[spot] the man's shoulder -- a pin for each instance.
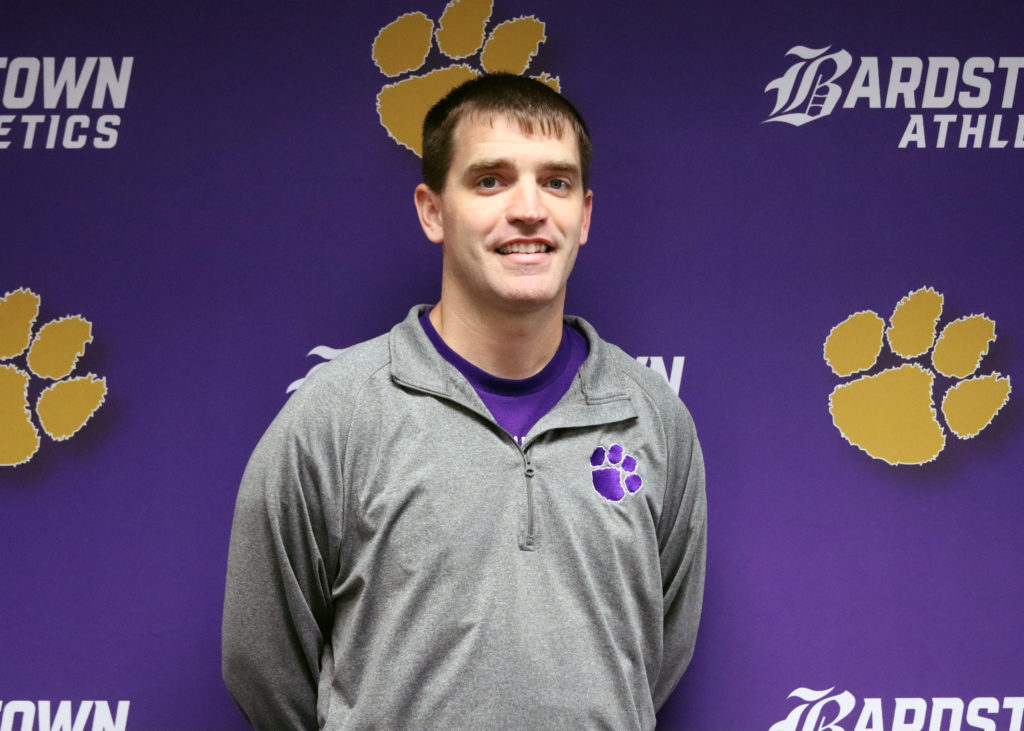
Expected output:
(347, 372)
(646, 387)
(611, 360)
(319, 413)
(656, 391)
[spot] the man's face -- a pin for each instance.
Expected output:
(511, 218)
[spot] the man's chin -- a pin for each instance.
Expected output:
(531, 301)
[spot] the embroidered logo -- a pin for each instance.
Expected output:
(614, 472)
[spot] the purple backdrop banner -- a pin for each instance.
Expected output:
(197, 195)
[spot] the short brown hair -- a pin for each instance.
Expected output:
(527, 101)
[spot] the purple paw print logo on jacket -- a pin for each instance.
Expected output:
(614, 472)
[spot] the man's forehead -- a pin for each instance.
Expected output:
(497, 130)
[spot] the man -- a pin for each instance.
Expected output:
(488, 517)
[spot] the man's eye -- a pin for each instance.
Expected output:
(559, 184)
(488, 182)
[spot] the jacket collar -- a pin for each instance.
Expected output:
(598, 394)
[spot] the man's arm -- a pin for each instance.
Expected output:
(277, 611)
(682, 538)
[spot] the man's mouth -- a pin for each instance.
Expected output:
(524, 248)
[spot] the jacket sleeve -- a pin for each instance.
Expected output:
(682, 537)
(277, 608)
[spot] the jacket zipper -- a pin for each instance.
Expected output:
(529, 542)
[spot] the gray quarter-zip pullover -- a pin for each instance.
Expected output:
(398, 561)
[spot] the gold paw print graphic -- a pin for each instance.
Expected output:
(63, 407)
(891, 414)
(404, 45)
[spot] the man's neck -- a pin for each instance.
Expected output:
(505, 344)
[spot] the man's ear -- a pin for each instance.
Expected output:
(428, 207)
(588, 207)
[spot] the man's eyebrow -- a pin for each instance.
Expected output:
(499, 163)
(564, 166)
(494, 163)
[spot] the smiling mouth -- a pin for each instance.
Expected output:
(524, 248)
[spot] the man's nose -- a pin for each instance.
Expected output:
(526, 204)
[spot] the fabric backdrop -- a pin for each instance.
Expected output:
(199, 194)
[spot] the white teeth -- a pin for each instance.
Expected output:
(523, 248)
